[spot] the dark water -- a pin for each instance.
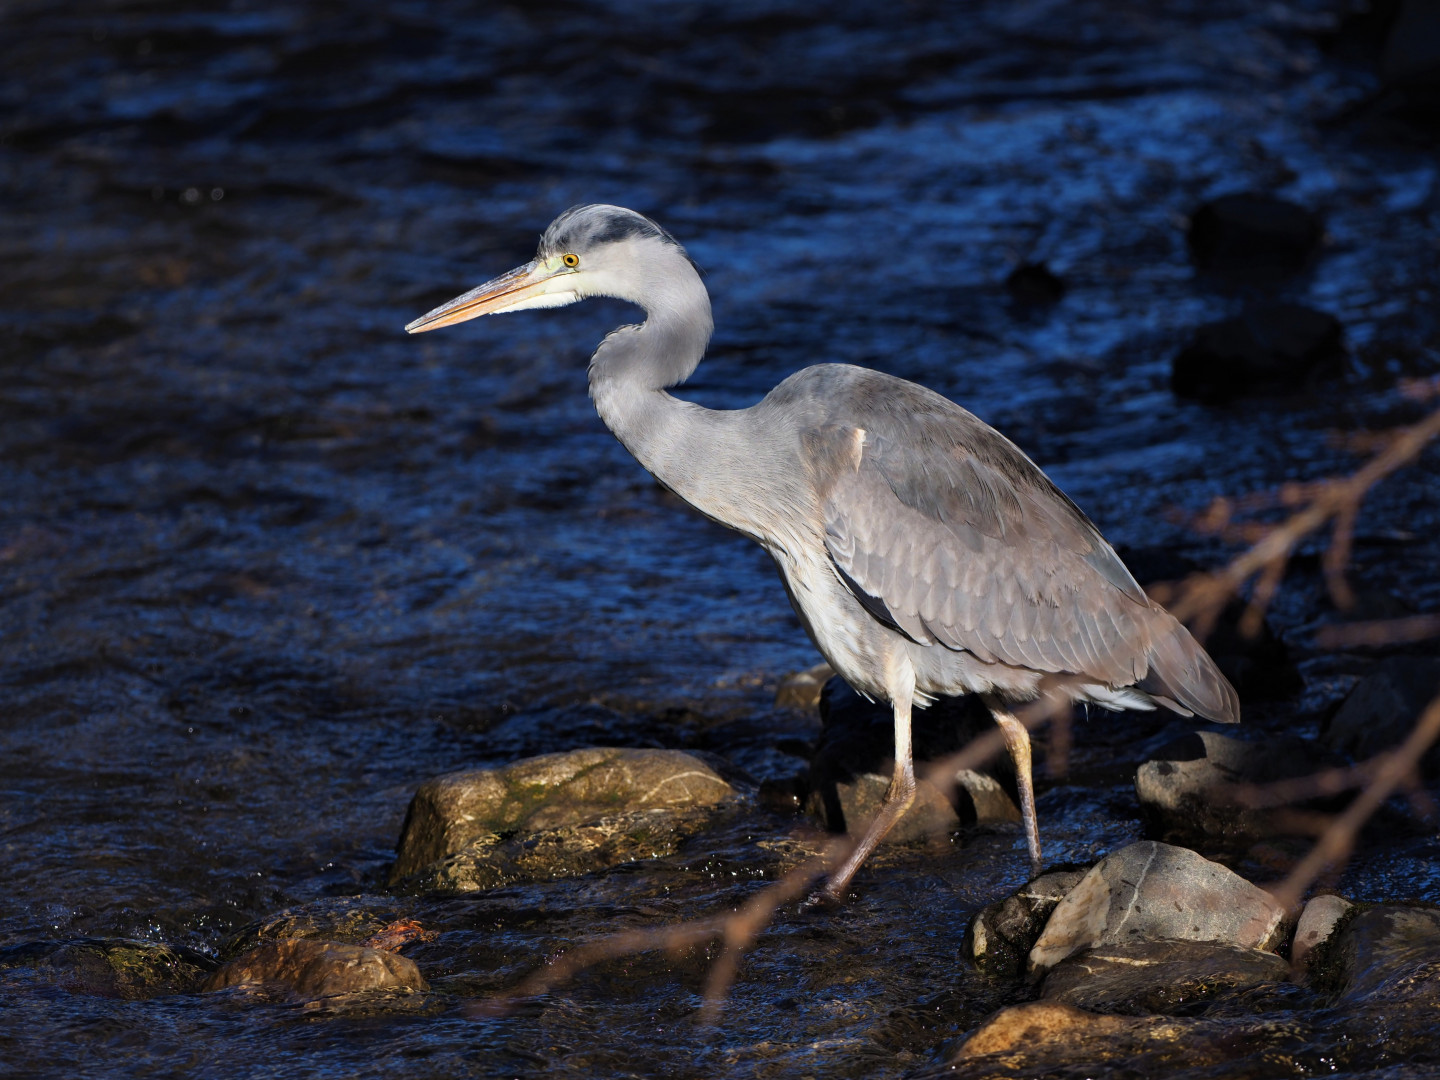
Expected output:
(267, 563)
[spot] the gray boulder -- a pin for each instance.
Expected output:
(318, 969)
(1189, 789)
(539, 795)
(1382, 709)
(1158, 976)
(1150, 891)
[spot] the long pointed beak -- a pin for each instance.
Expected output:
(526, 286)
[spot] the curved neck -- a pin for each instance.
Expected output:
(634, 365)
(706, 456)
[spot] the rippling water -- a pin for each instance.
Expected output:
(267, 563)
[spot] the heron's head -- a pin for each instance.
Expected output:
(595, 250)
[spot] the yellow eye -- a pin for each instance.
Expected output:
(571, 261)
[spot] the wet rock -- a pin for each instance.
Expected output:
(1268, 349)
(1034, 285)
(849, 805)
(567, 851)
(1191, 787)
(1382, 709)
(980, 799)
(1001, 935)
(318, 969)
(396, 935)
(850, 771)
(452, 812)
(1253, 237)
(802, 689)
(1151, 891)
(1159, 976)
(1388, 954)
(1317, 922)
(348, 919)
(111, 967)
(973, 798)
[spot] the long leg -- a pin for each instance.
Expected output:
(897, 800)
(1017, 741)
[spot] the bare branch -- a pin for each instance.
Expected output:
(1391, 771)
(1200, 599)
(1379, 632)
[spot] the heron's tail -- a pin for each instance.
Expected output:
(1182, 674)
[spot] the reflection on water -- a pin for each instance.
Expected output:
(267, 563)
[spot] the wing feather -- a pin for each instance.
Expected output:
(965, 543)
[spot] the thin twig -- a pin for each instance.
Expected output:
(1379, 632)
(1335, 845)
(1202, 597)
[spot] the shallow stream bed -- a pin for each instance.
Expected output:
(267, 563)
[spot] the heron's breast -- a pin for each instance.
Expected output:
(853, 642)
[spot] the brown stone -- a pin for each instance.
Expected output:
(317, 969)
(1023, 1027)
(849, 805)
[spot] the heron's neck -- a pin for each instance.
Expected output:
(629, 375)
(684, 445)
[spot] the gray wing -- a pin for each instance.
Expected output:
(946, 531)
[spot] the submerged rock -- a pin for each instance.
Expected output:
(1001, 935)
(1158, 976)
(1253, 237)
(542, 794)
(1151, 891)
(1191, 787)
(1381, 711)
(1388, 954)
(318, 969)
(348, 919)
(111, 967)
(1315, 925)
(1267, 349)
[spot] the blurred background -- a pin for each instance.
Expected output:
(266, 563)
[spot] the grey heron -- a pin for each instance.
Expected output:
(924, 552)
